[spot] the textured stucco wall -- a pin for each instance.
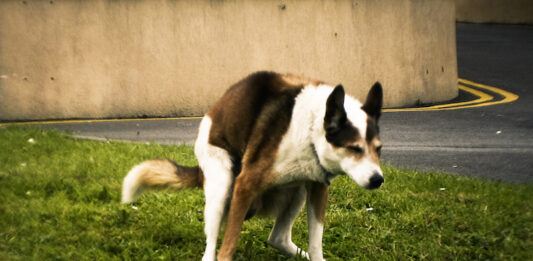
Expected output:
(122, 58)
(495, 11)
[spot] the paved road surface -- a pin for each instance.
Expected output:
(493, 142)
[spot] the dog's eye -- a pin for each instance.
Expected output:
(378, 150)
(357, 149)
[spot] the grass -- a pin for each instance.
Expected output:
(59, 200)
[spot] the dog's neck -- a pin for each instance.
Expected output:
(328, 176)
(297, 151)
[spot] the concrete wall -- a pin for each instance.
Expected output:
(125, 58)
(495, 11)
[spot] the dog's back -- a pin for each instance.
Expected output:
(253, 112)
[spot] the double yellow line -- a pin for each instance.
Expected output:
(481, 92)
(483, 98)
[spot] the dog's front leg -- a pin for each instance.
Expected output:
(244, 193)
(317, 200)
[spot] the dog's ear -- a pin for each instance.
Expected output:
(374, 101)
(335, 113)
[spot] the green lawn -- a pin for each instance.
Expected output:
(59, 200)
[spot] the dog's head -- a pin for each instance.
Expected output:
(351, 142)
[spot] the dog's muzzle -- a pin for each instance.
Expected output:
(375, 181)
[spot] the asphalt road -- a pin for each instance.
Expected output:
(494, 142)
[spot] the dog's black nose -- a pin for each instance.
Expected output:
(375, 181)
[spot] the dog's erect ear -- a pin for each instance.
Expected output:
(335, 113)
(374, 101)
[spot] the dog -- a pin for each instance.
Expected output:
(269, 144)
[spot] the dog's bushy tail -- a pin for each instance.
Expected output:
(158, 174)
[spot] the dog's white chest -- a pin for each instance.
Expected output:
(297, 164)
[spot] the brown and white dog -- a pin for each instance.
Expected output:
(269, 144)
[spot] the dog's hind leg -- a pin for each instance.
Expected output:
(248, 185)
(217, 167)
(217, 192)
(217, 189)
(280, 237)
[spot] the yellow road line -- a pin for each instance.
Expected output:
(508, 96)
(483, 99)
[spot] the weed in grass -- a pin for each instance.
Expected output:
(60, 200)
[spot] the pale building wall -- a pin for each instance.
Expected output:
(122, 58)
